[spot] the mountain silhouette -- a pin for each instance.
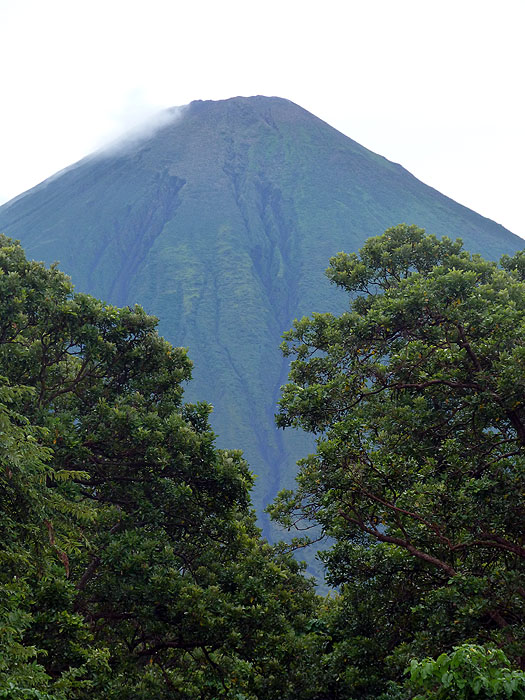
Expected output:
(221, 222)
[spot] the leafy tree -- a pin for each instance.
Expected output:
(470, 671)
(417, 396)
(28, 559)
(22, 462)
(131, 557)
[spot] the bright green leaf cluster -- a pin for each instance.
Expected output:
(469, 671)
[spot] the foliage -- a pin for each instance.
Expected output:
(469, 671)
(416, 395)
(132, 567)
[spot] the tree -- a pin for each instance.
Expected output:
(417, 396)
(128, 537)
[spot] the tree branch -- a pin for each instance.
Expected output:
(401, 543)
(93, 564)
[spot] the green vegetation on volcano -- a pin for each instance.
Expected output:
(220, 223)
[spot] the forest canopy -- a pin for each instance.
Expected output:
(131, 565)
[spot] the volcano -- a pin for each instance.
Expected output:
(221, 222)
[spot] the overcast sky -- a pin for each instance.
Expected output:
(436, 85)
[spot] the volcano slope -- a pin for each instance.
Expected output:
(221, 222)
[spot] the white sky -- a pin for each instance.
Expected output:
(436, 85)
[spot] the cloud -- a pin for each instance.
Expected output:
(137, 120)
